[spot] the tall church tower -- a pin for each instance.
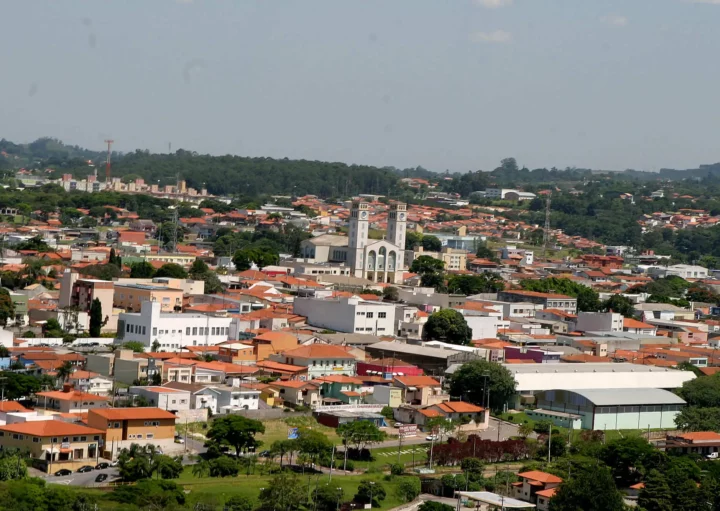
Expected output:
(397, 225)
(358, 235)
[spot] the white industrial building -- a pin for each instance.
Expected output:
(351, 315)
(531, 379)
(174, 330)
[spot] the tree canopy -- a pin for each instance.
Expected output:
(447, 325)
(236, 431)
(473, 379)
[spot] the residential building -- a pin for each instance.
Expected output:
(699, 443)
(386, 395)
(537, 488)
(297, 393)
(124, 365)
(165, 398)
(348, 314)
(320, 360)
(69, 400)
(130, 297)
(174, 331)
(200, 395)
(234, 399)
(421, 390)
(686, 271)
(93, 383)
(469, 416)
(256, 349)
(53, 445)
(547, 300)
(599, 321)
(453, 259)
(124, 426)
(337, 389)
(187, 286)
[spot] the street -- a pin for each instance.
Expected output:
(86, 479)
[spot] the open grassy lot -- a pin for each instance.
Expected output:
(277, 429)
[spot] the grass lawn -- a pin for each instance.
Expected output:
(277, 429)
(386, 456)
(220, 489)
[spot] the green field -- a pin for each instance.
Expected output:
(277, 429)
(383, 457)
(219, 489)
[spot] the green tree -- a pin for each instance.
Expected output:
(238, 503)
(473, 379)
(447, 325)
(391, 294)
(114, 259)
(327, 497)
(426, 264)
(703, 392)
(695, 418)
(96, 318)
(198, 269)
(7, 307)
(259, 255)
(432, 505)
(64, 371)
(224, 466)
(619, 304)
(408, 488)
(475, 284)
(588, 299)
(431, 243)
(236, 431)
(626, 457)
(150, 494)
(142, 270)
(284, 492)
(135, 346)
(370, 492)
(313, 444)
(590, 489)
(171, 270)
(52, 328)
(361, 434)
(12, 466)
(166, 467)
(483, 252)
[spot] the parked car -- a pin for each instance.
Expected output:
(100, 478)
(85, 468)
(264, 454)
(114, 463)
(179, 440)
(63, 472)
(713, 456)
(431, 438)
(102, 466)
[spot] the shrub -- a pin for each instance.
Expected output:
(397, 469)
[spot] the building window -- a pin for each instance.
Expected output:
(143, 330)
(194, 330)
(36, 440)
(369, 315)
(359, 313)
(187, 331)
(382, 315)
(150, 436)
(154, 330)
(76, 439)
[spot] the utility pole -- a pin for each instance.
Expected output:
(174, 239)
(109, 143)
(546, 230)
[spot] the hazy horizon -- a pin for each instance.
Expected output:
(458, 86)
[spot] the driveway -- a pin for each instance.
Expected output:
(86, 479)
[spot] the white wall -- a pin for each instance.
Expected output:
(351, 315)
(599, 322)
(482, 327)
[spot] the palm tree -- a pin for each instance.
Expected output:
(64, 371)
(201, 469)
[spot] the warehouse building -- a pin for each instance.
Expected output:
(613, 409)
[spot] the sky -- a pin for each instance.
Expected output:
(445, 84)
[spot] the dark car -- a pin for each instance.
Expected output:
(265, 454)
(101, 466)
(86, 468)
(63, 472)
(100, 478)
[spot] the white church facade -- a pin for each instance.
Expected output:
(374, 260)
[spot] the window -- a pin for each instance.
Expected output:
(166, 300)
(76, 439)
(174, 401)
(139, 436)
(127, 328)
(369, 315)
(187, 331)
(359, 313)
(382, 315)
(154, 330)
(143, 330)
(116, 425)
(54, 440)
(149, 436)
(83, 439)
(36, 440)
(194, 330)
(183, 401)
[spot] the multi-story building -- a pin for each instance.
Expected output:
(320, 359)
(547, 300)
(78, 294)
(165, 398)
(351, 315)
(131, 297)
(453, 258)
(69, 400)
(53, 444)
(125, 426)
(175, 330)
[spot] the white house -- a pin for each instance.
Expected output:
(174, 330)
(165, 398)
(234, 399)
(350, 315)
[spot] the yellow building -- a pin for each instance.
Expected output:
(131, 296)
(54, 444)
(123, 426)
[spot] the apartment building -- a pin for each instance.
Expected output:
(351, 315)
(69, 400)
(130, 297)
(546, 300)
(53, 445)
(320, 360)
(454, 259)
(174, 331)
(124, 426)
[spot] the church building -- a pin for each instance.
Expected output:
(375, 260)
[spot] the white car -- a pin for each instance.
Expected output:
(713, 456)
(179, 440)
(431, 438)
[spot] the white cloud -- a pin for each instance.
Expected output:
(615, 20)
(493, 4)
(498, 36)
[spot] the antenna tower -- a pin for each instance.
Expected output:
(107, 162)
(173, 238)
(546, 230)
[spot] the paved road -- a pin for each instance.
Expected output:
(504, 429)
(86, 479)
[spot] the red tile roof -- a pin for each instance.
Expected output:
(132, 413)
(543, 477)
(50, 428)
